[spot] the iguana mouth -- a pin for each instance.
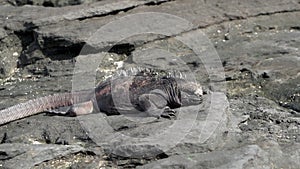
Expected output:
(190, 98)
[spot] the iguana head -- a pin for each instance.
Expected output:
(191, 92)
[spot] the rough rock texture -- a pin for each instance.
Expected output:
(254, 123)
(33, 154)
(49, 3)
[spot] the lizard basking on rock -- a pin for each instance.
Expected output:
(144, 93)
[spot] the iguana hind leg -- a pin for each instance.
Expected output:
(73, 110)
(81, 109)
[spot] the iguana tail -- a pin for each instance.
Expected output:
(38, 105)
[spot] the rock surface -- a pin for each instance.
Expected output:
(49, 3)
(250, 116)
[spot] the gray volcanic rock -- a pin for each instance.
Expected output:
(281, 80)
(59, 130)
(286, 94)
(10, 47)
(27, 156)
(49, 3)
(251, 156)
(250, 115)
(2, 33)
(238, 158)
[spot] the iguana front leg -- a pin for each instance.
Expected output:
(169, 113)
(155, 104)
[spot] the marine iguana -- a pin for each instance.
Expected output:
(149, 92)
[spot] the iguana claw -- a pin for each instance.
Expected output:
(169, 113)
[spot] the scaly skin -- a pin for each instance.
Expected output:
(39, 105)
(148, 93)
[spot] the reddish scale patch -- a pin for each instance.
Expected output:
(103, 91)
